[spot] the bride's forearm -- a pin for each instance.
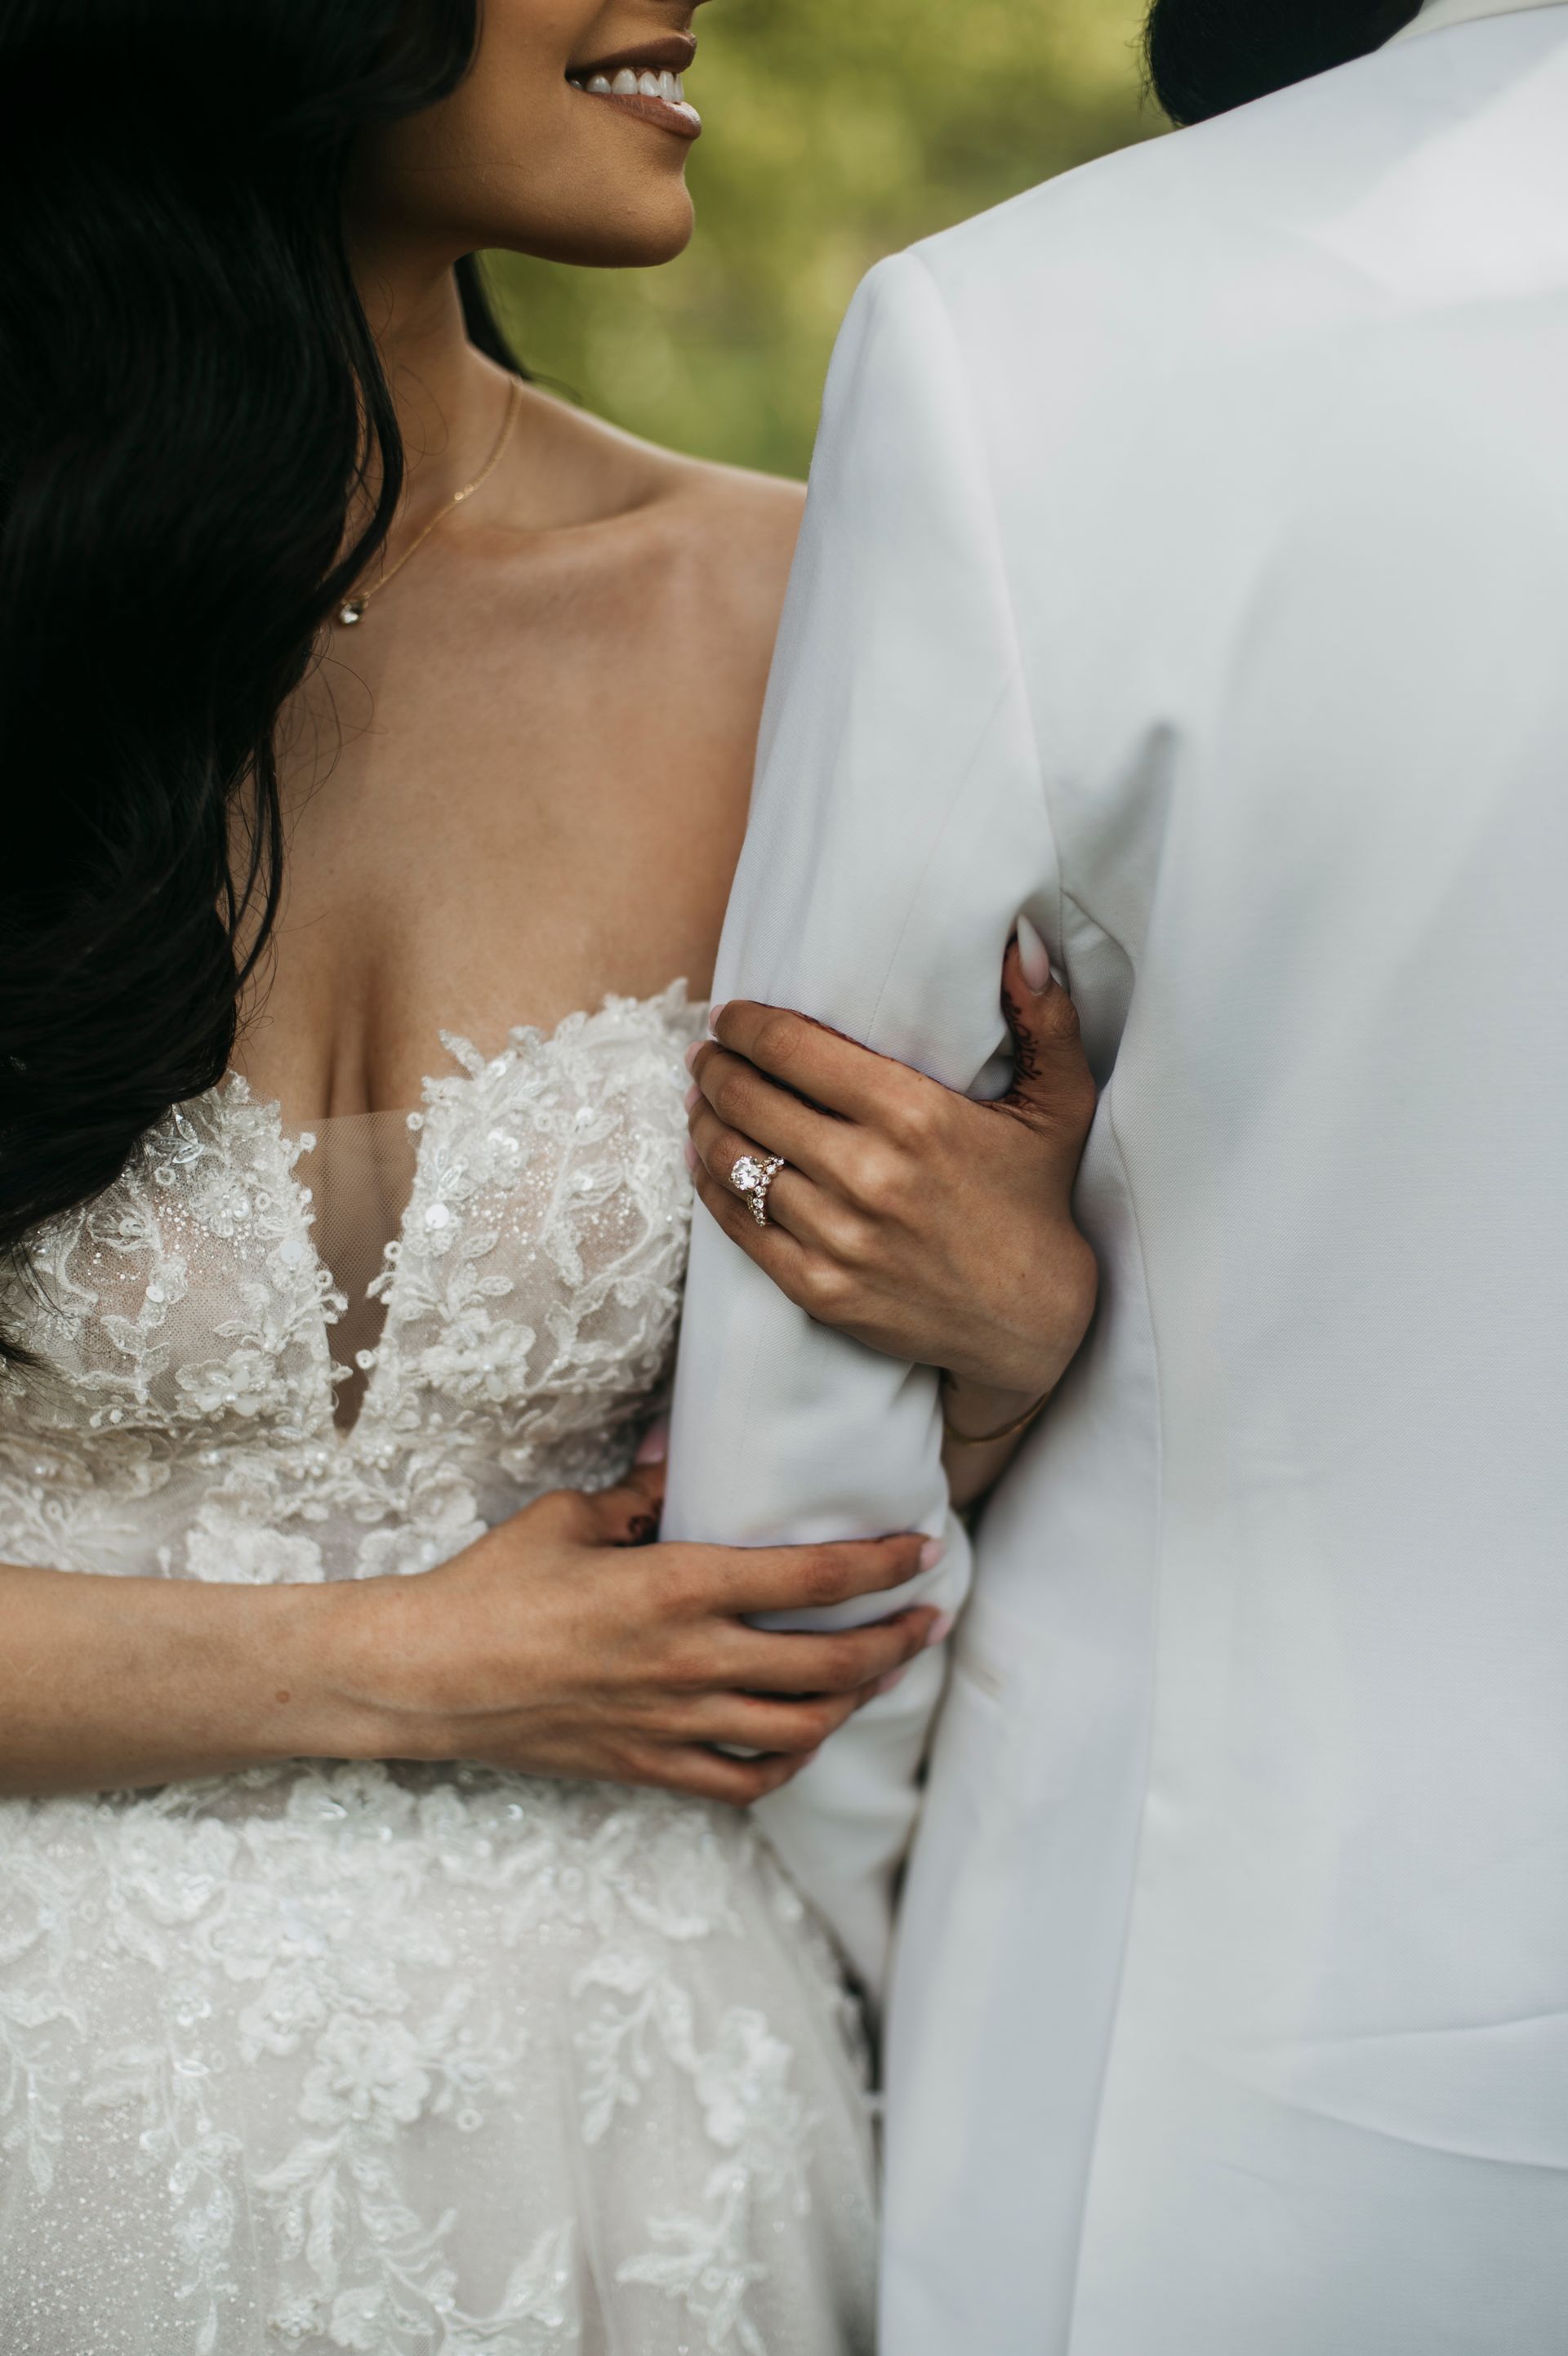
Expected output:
(109, 1683)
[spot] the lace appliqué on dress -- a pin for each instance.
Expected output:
(421, 2062)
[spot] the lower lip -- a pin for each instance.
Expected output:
(684, 123)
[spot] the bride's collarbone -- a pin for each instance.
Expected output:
(503, 807)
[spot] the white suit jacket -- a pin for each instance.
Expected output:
(1187, 564)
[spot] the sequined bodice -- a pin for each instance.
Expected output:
(180, 1414)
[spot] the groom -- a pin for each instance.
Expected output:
(1187, 567)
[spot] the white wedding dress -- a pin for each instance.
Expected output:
(416, 2062)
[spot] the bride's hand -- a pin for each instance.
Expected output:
(566, 1644)
(932, 1228)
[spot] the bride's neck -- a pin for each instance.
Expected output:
(450, 400)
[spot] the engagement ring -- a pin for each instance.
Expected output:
(752, 1179)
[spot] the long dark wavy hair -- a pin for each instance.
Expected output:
(1207, 55)
(191, 406)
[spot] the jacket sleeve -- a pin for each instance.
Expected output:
(898, 826)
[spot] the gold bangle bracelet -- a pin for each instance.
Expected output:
(991, 1439)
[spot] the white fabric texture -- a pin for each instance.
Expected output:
(1438, 15)
(1187, 564)
(410, 2060)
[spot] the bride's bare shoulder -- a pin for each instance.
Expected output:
(732, 535)
(722, 538)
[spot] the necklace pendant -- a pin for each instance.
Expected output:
(349, 613)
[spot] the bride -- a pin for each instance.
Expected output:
(387, 1961)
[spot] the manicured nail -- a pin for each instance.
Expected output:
(941, 1628)
(655, 1445)
(691, 1157)
(894, 1678)
(1034, 957)
(693, 1052)
(694, 1099)
(932, 1552)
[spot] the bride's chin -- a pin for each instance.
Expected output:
(630, 239)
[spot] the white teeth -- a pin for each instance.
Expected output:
(629, 84)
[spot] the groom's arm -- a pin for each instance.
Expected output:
(898, 829)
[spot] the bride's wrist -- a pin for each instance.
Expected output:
(979, 1411)
(376, 1674)
(249, 1675)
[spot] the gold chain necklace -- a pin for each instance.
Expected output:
(353, 610)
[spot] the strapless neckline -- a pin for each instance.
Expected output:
(672, 1003)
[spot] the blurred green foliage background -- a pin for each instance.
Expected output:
(837, 130)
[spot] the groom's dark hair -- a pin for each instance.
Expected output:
(1207, 55)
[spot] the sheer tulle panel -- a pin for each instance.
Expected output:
(360, 1169)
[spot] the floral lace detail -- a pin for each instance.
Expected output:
(423, 2062)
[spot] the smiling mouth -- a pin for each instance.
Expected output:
(649, 82)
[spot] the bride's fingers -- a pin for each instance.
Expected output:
(812, 1214)
(628, 1514)
(1053, 1087)
(851, 1662)
(818, 1062)
(777, 1252)
(786, 1729)
(704, 1775)
(748, 1100)
(823, 1283)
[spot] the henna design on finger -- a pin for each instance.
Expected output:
(1027, 1064)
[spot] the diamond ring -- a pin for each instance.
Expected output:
(752, 1179)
